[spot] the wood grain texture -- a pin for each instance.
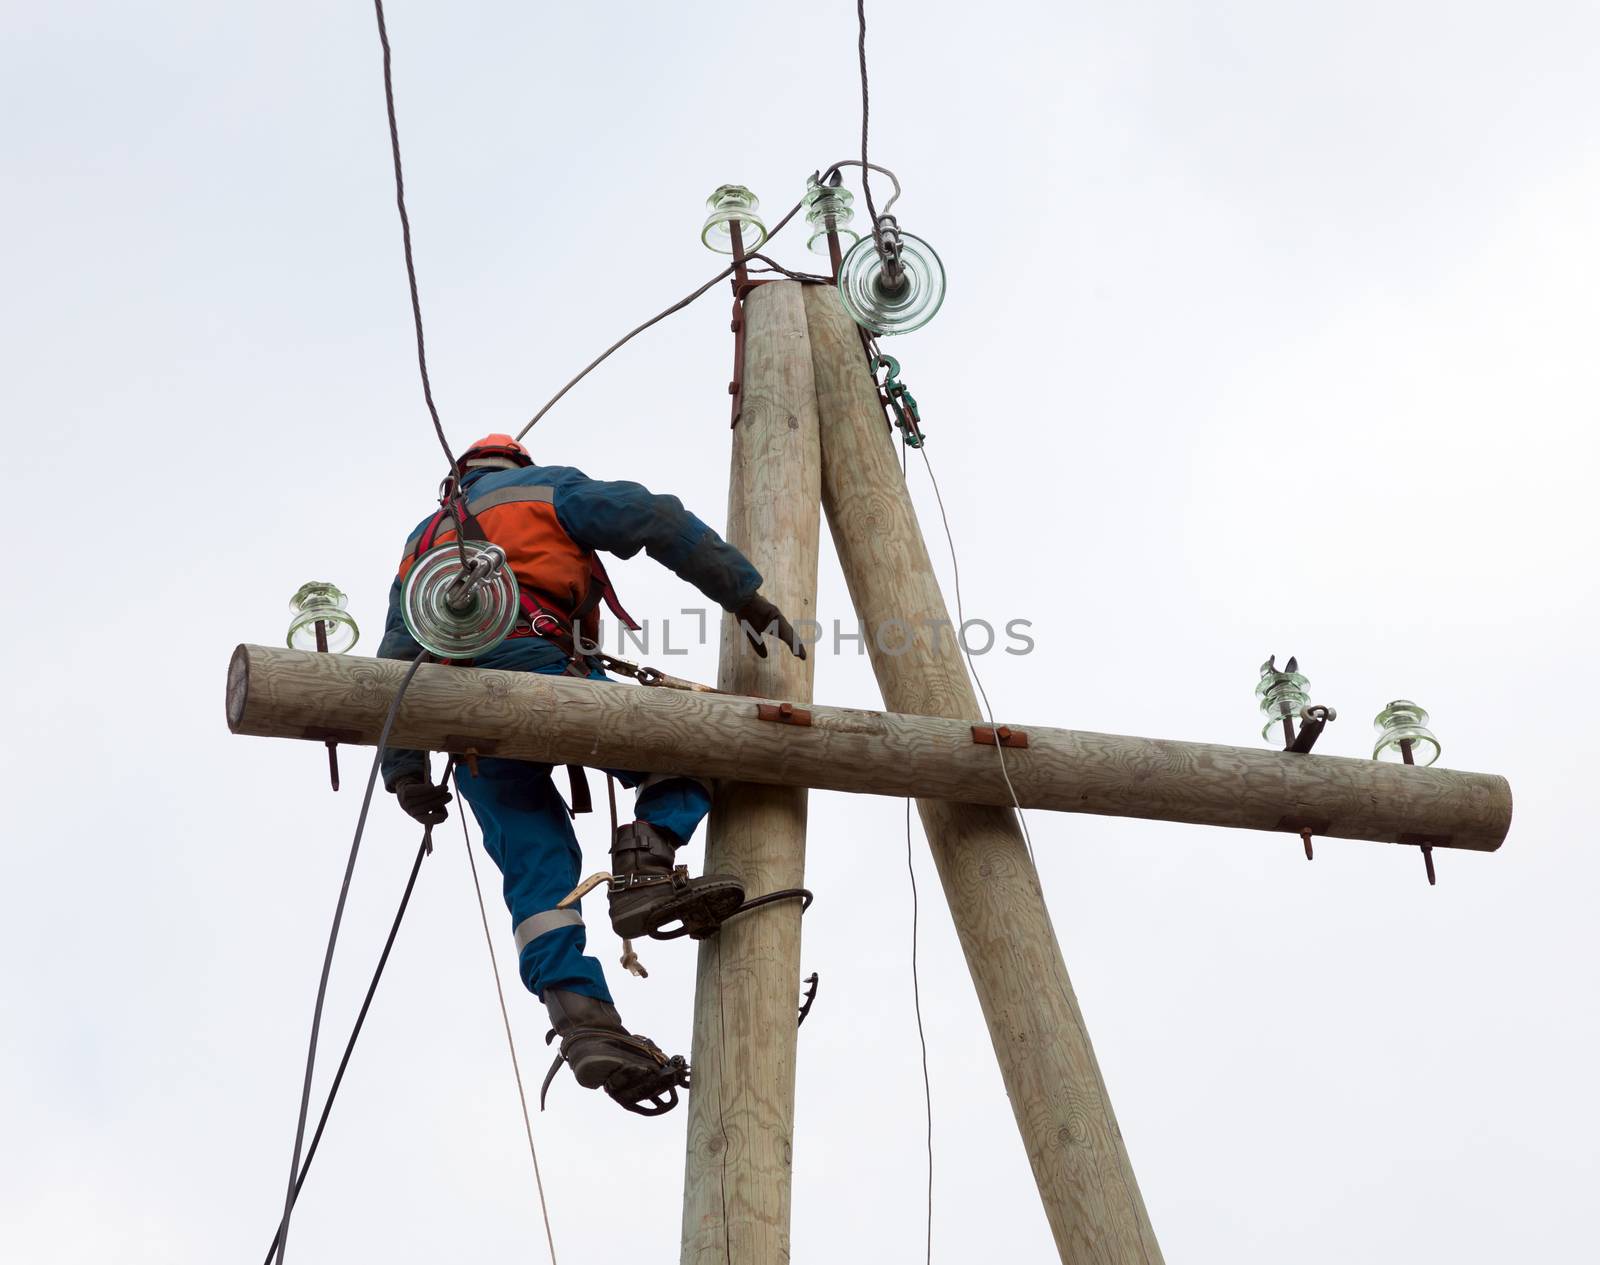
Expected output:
(301, 694)
(1057, 1094)
(738, 1171)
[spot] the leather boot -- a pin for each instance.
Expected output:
(605, 1055)
(648, 891)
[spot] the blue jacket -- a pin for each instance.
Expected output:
(588, 515)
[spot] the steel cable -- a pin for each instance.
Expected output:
(866, 170)
(423, 849)
(405, 234)
(640, 328)
(626, 338)
(327, 957)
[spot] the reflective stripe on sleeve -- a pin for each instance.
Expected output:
(509, 496)
(530, 929)
(503, 496)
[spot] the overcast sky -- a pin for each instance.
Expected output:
(1271, 329)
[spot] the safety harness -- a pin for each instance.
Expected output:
(537, 620)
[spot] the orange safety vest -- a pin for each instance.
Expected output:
(561, 583)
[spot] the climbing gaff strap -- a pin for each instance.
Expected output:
(756, 902)
(630, 959)
(898, 400)
(654, 1100)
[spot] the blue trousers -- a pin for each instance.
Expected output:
(528, 833)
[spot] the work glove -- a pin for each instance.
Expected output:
(422, 800)
(759, 616)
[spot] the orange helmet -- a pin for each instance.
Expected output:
(494, 452)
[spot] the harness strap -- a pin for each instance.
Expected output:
(578, 784)
(600, 587)
(455, 509)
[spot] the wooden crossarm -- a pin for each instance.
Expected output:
(562, 720)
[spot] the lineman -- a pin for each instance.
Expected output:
(551, 520)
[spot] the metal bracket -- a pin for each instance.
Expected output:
(736, 386)
(783, 714)
(1313, 720)
(1003, 736)
(333, 747)
(320, 733)
(1300, 826)
(741, 287)
(469, 749)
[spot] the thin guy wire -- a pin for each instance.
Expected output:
(405, 235)
(916, 981)
(1022, 817)
(505, 1018)
(425, 847)
(327, 957)
(639, 329)
(961, 617)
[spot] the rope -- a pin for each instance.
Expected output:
(505, 1018)
(423, 849)
(327, 957)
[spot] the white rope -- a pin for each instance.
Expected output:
(505, 1018)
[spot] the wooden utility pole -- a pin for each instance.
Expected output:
(561, 720)
(813, 429)
(1057, 1094)
(738, 1169)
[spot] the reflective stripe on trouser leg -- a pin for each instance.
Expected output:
(527, 833)
(531, 928)
(672, 803)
